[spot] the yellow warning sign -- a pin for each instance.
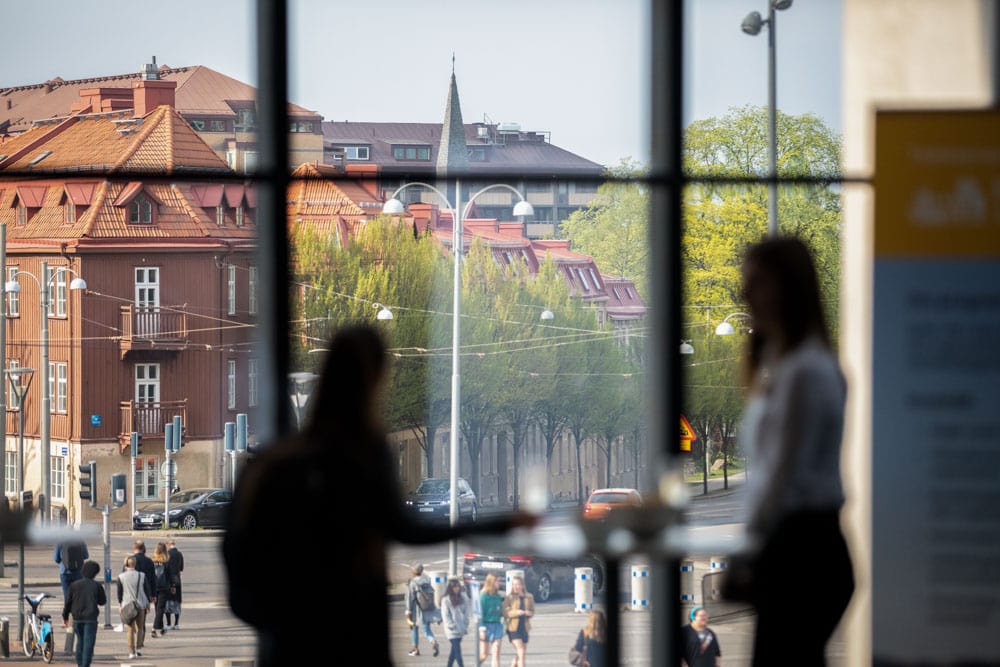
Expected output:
(687, 434)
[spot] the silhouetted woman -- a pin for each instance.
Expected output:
(792, 427)
(297, 484)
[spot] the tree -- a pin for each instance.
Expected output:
(613, 228)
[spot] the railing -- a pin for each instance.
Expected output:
(149, 418)
(153, 323)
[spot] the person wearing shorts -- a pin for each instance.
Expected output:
(518, 608)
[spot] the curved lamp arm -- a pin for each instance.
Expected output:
(522, 208)
(394, 206)
(725, 328)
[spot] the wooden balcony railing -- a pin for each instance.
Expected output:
(148, 418)
(147, 328)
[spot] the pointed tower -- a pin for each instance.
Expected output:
(453, 156)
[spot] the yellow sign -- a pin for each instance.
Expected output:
(687, 434)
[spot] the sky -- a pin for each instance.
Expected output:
(575, 69)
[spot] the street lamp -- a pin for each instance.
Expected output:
(301, 382)
(686, 347)
(20, 381)
(44, 286)
(725, 328)
(522, 209)
(383, 313)
(752, 23)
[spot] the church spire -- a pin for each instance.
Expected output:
(452, 155)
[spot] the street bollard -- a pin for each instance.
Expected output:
(583, 589)
(687, 581)
(717, 563)
(439, 580)
(640, 587)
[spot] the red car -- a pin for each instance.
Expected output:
(602, 501)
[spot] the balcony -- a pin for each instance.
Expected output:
(152, 328)
(148, 419)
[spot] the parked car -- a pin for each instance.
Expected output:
(545, 578)
(603, 501)
(193, 508)
(431, 501)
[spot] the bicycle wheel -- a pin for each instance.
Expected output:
(28, 640)
(49, 649)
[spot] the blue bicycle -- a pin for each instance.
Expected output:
(38, 630)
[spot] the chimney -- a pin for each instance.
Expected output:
(151, 93)
(148, 71)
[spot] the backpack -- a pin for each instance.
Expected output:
(72, 555)
(162, 577)
(425, 596)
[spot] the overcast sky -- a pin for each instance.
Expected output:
(576, 69)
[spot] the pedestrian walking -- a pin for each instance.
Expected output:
(165, 584)
(421, 610)
(131, 585)
(591, 640)
(83, 601)
(144, 564)
(490, 620)
(456, 611)
(518, 608)
(70, 555)
(173, 607)
(699, 645)
(792, 427)
(344, 431)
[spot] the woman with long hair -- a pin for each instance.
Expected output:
(491, 622)
(456, 611)
(518, 608)
(591, 640)
(792, 428)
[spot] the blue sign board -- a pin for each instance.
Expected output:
(95, 420)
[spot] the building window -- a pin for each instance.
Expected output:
(301, 126)
(140, 211)
(231, 384)
(22, 214)
(69, 212)
(147, 478)
(422, 153)
(356, 152)
(57, 386)
(231, 308)
(57, 477)
(57, 290)
(252, 291)
(13, 402)
(250, 161)
(231, 159)
(246, 120)
(252, 376)
(216, 126)
(13, 298)
(583, 280)
(593, 277)
(10, 471)
(220, 215)
(239, 216)
(198, 125)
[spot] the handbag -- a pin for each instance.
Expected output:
(577, 657)
(130, 612)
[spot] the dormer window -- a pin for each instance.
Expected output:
(220, 215)
(140, 211)
(22, 214)
(356, 152)
(69, 212)
(239, 216)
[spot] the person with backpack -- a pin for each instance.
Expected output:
(421, 609)
(165, 578)
(70, 555)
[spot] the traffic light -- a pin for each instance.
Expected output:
(88, 479)
(136, 441)
(118, 493)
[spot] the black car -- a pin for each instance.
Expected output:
(545, 578)
(193, 508)
(431, 501)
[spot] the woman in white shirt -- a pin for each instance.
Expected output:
(792, 429)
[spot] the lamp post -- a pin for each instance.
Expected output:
(20, 381)
(752, 24)
(725, 328)
(298, 391)
(44, 285)
(522, 209)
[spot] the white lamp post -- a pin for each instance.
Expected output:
(522, 209)
(725, 328)
(44, 286)
(752, 24)
(20, 387)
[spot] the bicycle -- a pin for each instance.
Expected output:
(38, 636)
